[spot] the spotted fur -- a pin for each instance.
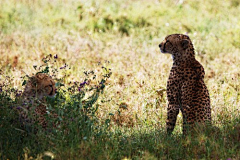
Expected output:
(186, 90)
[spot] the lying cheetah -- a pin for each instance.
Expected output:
(186, 90)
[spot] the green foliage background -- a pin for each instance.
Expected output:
(125, 36)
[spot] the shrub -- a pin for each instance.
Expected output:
(75, 105)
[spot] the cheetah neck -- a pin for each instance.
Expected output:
(184, 58)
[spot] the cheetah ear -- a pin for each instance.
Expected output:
(185, 43)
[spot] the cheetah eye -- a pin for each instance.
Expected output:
(167, 41)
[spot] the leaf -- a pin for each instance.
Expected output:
(24, 82)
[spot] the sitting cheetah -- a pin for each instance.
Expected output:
(34, 96)
(186, 90)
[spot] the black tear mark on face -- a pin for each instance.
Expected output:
(166, 45)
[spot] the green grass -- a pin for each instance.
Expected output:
(123, 36)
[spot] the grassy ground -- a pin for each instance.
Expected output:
(123, 36)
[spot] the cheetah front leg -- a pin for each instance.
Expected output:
(172, 112)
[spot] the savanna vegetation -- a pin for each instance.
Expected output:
(111, 77)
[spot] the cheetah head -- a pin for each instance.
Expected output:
(175, 43)
(40, 85)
